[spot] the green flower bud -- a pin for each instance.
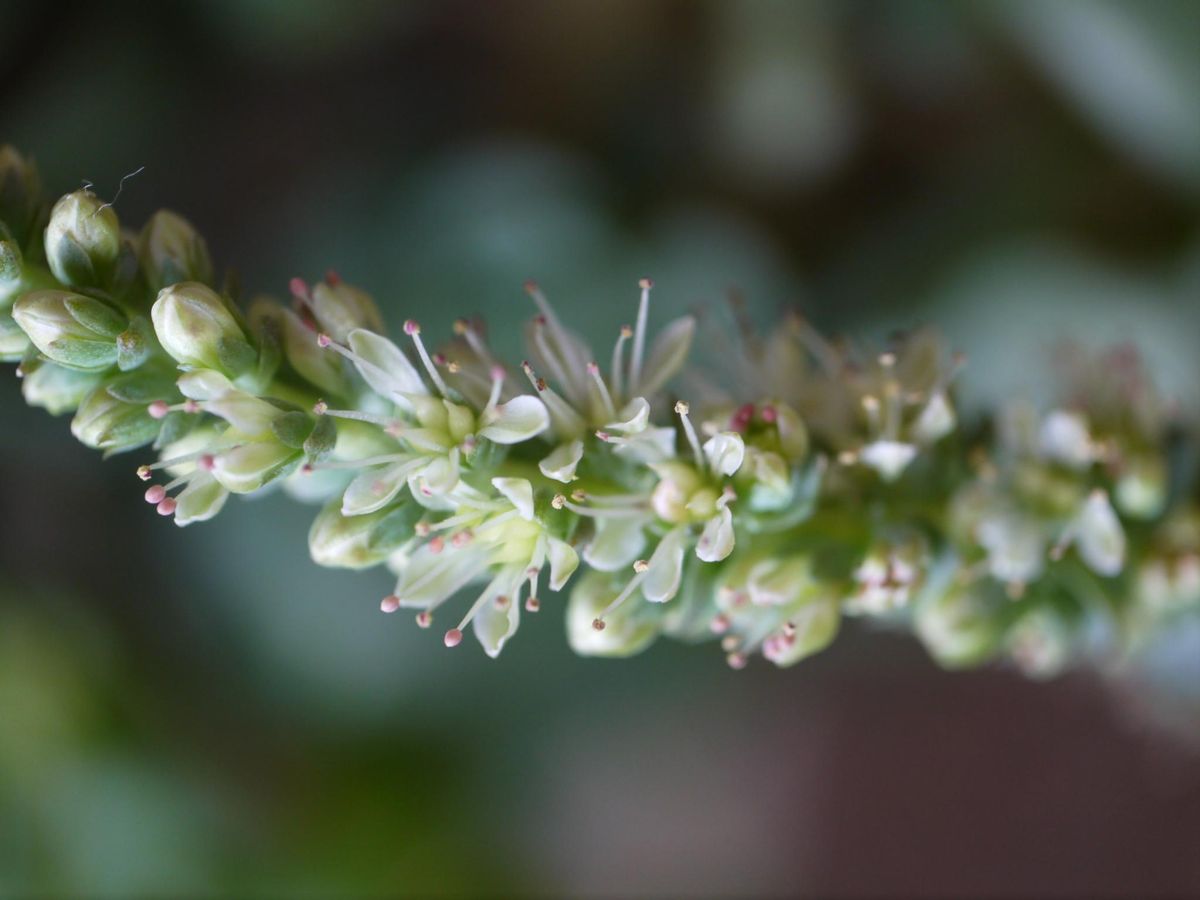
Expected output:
(10, 263)
(83, 240)
(69, 329)
(105, 423)
(14, 343)
(198, 329)
(20, 193)
(56, 389)
(171, 250)
(340, 308)
(348, 542)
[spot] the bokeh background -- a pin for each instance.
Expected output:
(186, 713)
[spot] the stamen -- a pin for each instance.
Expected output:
(497, 385)
(325, 341)
(610, 410)
(178, 461)
(532, 604)
(737, 661)
(464, 328)
(558, 408)
(557, 366)
(618, 360)
(363, 463)
(424, 618)
(389, 604)
(155, 494)
(166, 507)
(488, 593)
(158, 409)
(639, 336)
(453, 637)
(413, 330)
(870, 405)
(682, 409)
(560, 502)
(895, 410)
(826, 355)
(299, 289)
(356, 415)
(626, 593)
(719, 624)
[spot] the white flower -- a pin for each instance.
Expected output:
(499, 537)
(1099, 536)
(1063, 438)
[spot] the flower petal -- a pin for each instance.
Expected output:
(494, 625)
(247, 414)
(667, 355)
(376, 487)
(384, 366)
(1100, 537)
(650, 446)
(430, 578)
(725, 452)
(518, 492)
(1063, 437)
(249, 466)
(632, 418)
(200, 500)
(814, 627)
(563, 562)
(666, 568)
(618, 542)
(517, 420)
(717, 539)
(560, 464)
(936, 420)
(888, 458)
(204, 384)
(439, 476)
(628, 629)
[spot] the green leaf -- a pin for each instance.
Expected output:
(142, 387)
(174, 427)
(395, 528)
(322, 439)
(292, 429)
(235, 355)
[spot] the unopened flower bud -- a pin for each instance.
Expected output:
(10, 266)
(83, 240)
(13, 341)
(340, 308)
(57, 389)
(105, 423)
(172, 251)
(347, 542)
(198, 329)
(69, 329)
(20, 193)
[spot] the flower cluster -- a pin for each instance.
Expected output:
(817, 480)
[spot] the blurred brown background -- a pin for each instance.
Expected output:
(204, 712)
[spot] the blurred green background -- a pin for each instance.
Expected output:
(197, 712)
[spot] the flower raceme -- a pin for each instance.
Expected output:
(812, 480)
